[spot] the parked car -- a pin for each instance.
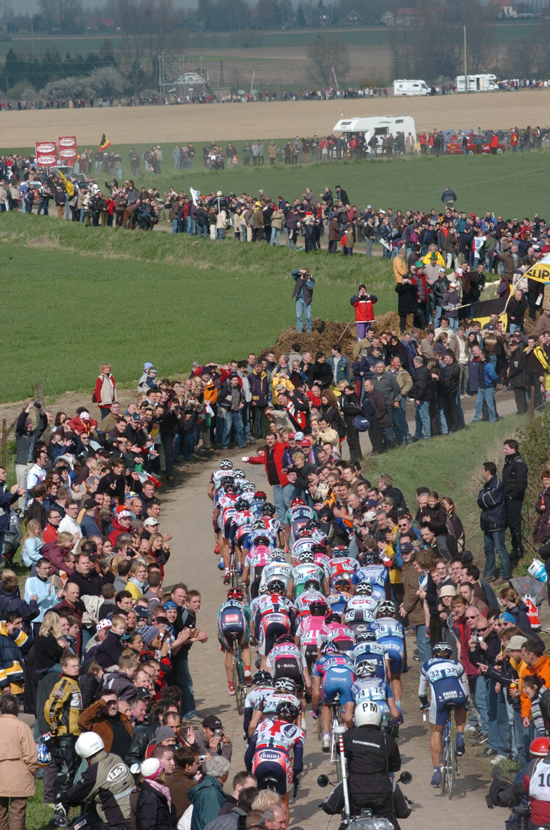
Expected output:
(454, 148)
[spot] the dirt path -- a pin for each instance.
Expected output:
(186, 513)
(278, 119)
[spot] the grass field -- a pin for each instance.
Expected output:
(73, 297)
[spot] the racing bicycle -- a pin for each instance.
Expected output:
(238, 676)
(448, 760)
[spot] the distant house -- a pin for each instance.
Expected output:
(352, 18)
(405, 16)
(505, 9)
(388, 19)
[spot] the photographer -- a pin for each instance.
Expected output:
(26, 437)
(169, 420)
(303, 295)
(212, 740)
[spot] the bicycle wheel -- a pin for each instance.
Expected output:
(238, 681)
(443, 758)
(452, 766)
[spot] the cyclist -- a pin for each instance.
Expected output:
(307, 636)
(362, 606)
(340, 594)
(273, 525)
(284, 690)
(332, 675)
(241, 525)
(307, 575)
(391, 634)
(269, 751)
(296, 518)
(303, 603)
(274, 616)
(263, 686)
(234, 620)
(276, 568)
(448, 685)
(258, 502)
(373, 572)
(368, 686)
(285, 660)
(366, 648)
(254, 563)
(535, 782)
(337, 632)
(223, 517)
(341, 565)
(225, 471)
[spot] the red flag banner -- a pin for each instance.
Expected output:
(46, 153)
(68, 152)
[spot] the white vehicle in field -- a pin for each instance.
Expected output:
(382, 126)
(408, 88)
(477, 83)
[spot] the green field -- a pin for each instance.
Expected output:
(73, 297)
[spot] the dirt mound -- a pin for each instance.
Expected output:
(326, 332)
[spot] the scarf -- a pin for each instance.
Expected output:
(536, 714)
(161, 788)
(297, 416)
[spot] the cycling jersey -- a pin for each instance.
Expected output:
(301, 545)
(285, 660)
(338, 602)
(234, 619)
(376, 575)
(341, 566)
(374, 652)
(303, 602)
(337, 677)
(305, 573)
(241, 525)
(253, 701)
(273, 526)
(391, 634)
(216, 477)
(261, 532)
(276, 570)
(268, 704)
(268, 754)
(372, 688)
(339, 634)
(359, 610)
(256, 560)
(274, 615)
(308, 631)
(448, 684)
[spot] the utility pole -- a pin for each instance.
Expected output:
(252, 82)
(222, 84)
(465, 62)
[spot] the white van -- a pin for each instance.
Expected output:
(408, 88)
(477, 83)
(384, 125)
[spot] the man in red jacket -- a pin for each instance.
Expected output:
(272, 457)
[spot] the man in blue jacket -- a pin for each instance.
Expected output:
(492, 501)
(339, 365)
(483, 379)
(303, 294)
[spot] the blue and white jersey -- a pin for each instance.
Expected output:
(371, 651)
(376, 575)
(389, 631)
(446, 678)
(372, 688)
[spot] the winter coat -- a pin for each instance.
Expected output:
(422, 388)
(24, 440)
(92, 720)
(18, 759)
(364, 311)
(207, 798)
(492, 501)
(514, 476)
(517, 370)
(412, 603)
(153, 811)
(374, 403)
(406, 298)
(259, 389)
(109, 651)
(47, 652)
(6, 501)
(11, 601)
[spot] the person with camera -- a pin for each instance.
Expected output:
(212, 740)
(303, 295)
(26, 436)
(372, 756)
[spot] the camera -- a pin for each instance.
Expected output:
(479, 638)
(218, 733)
(38, 404)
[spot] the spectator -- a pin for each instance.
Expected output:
(18, 765)
(208, 797)
(492, 501)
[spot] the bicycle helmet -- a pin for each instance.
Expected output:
(368, 713)
(306, 557)
(312, 584)
(363, 589)
(540, 747)
(44, 754)
(283, 639)
(261, 496)
(366, 668)
(249, 487)
(369, 557)
(386, 608)
(262, 678)
(339, 551)
(317, 608)
(261, 540)
(241, 504)
(304, 533)
(333, 617)
(442, 650)
(285, 685)
(258, 524)
(365, 637)
(318, 548)
(287, 711)
(329, 648)
(231, 488)
(226, 481)
(277, 555)
(268, 509)
(235, 593)
(226, 464)
(341, 583)
(239, 474)
(276, 587)
(296, 501)
(313, 524)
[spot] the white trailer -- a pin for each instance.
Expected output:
(477, 83)
(381, 126)
(406, 88)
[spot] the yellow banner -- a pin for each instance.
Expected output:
(539, 272)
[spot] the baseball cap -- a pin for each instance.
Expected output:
(103, 624)
(406, 548)
(516, 642)
(370, 516)
(212, 722)
(143, 693)
(142, 612)
(124, 514)
(299, 436)
(170, 605)
(507, 617)
(151, 522)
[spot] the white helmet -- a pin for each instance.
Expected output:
(368, 713)
(88, 744)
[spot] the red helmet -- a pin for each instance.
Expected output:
(540, 747)
(296, 501)
(235, 593)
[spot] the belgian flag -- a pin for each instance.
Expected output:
(104, 143)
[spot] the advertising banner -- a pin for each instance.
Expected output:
(68, 152)
(46, 153)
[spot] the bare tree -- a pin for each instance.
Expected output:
(328, 56)
(438, 39)
(152, 28)
(481, 39)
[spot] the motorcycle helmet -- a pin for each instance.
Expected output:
(540, 747)
(368, 713)
(44, 754)
(89, 744)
